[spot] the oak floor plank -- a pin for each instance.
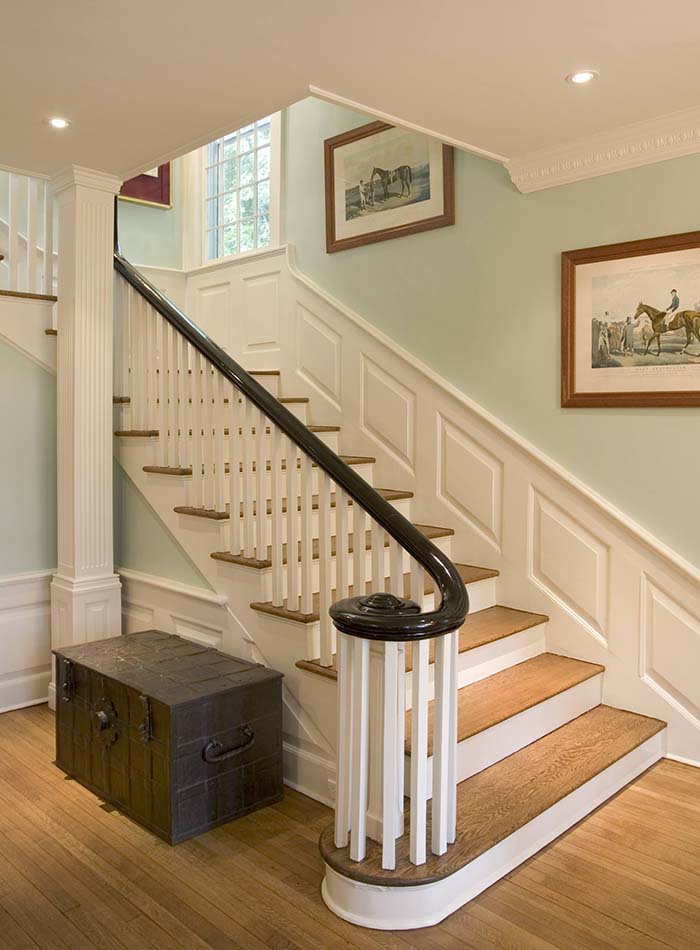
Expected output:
(74, 875)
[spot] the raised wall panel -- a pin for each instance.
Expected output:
(212, 311)
(319, 352)
(670, 649)
(261, 312)
(470, 479)
(388, 412)
(25, 640)
(570, 564)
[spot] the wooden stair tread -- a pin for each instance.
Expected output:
(500, 800)
(121, 400)
(227, 431)
(468, 573)
(187, 469)
(28, 296)
(430, 531)
(510, 621)
(389, 494)
(51, 332)
(503, 695)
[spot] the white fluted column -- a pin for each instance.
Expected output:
(85, 592)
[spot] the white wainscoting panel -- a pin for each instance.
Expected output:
(388, 412)
(319, 354)
(213, 306)
(25, 639)
(23, 323)
(261, 309)
(570, 563)
(470, 480)
(670, 649)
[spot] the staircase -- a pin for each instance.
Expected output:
(461, 750)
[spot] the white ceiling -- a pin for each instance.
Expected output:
(142, 82)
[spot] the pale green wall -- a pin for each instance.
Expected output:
(149, 235)
(479, 303)
(27, 464)
(141, 540)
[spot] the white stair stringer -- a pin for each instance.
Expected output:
(410, 907)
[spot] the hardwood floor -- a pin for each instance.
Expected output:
(76, 875)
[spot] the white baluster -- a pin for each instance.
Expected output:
(420, 686)
(208, 437)
(260, 487)
(48, 241)
(359, 552)
(248, 480)
(173, 439)
(325, 582)
(32, 223)
(197, 411)
(452, 646)
(13, 232)
(293, 518)
(236, 440)
(183, 386)
(307, 564)
(152, 318)
(342, 566)
(441, 745)
(344, 774)
(136, 308)
(378, 574)
(360, 748)
(396, 583)
(389, 756)
(220, 499)
(163, 380)
(277, 524)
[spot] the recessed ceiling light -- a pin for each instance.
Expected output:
(57, 122)
(581, 77)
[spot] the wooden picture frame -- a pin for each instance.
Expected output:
(403, 210)
(150, 189)
(632, 375)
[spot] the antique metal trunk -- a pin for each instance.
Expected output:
(178, 736)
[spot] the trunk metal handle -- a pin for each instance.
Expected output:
(215, 752)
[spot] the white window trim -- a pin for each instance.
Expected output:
(194, 196)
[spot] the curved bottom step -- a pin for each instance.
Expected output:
(505, 814)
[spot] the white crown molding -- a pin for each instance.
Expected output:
(629, 146)
(403, 123)
(86, 178)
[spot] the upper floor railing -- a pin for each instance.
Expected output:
(27, 244)
(331, 544)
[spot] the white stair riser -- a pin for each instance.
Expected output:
(130, 411)
(490, 746)
(409, 908)
(477, 664)
(266, 574)
(221, 529)
(331, 439)
(270, 383)
(187, 486)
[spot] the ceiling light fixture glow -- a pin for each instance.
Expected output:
(581, 77)
(58, 123)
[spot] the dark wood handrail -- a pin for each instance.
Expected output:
(370, 618)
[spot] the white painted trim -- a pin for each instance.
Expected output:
(403, 123)
(78, 175)
(411, 907)
(23, 322)
(23, 171)
(246, 257)
(623, 521)
(628, 146)
(311, 774)
(175, 587)
(683, 760)
(25, 639)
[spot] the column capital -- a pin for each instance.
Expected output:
(77, 175)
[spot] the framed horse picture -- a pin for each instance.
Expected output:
(631, 324)
(384, 182)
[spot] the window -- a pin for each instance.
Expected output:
(240, 190)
